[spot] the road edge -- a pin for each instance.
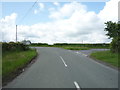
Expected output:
(20, 70)
(104, 63)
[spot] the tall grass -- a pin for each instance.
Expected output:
(12, 61)
(15, 56)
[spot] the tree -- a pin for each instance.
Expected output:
(113, 31)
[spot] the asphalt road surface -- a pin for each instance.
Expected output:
(88, 52)
(59, 68)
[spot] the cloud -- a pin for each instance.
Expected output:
(71, 23)
(7, 27)
(110, 11)
(41, 5)
(56, 4)
(67, 10)
(35, 11)
(41, 8)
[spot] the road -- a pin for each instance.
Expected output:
(88, 52)
(59, 68)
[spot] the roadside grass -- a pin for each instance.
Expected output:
(13, 61)
(106, 56)
(99, 47)
(76, 48)
(81, 47)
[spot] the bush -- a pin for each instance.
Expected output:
(113, 31)
(115, 45)
(11, 46)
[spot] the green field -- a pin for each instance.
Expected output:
(73, 46)
(76, 48)
(106, 56)
(12, 61)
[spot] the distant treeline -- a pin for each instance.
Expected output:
(39, 44)
(84, 45)
(72, 45)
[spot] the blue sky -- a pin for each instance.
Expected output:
(21, 8)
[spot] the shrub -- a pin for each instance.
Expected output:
(115, 45)
(11, 46)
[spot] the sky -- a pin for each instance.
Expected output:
(57, 22)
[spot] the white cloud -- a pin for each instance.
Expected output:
(72, 24)
(35, 11)
(41, 5)
(56, 4)
(41, 8)
(67, 10)
(110, 11)
(7, 27)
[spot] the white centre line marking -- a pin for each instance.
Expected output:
(82, 53)
(63, 61)
(76, 85)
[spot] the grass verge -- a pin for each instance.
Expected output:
(13, 62)
(106, 56)
(76, 48)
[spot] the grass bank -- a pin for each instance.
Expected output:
(106, 56)
(13, 61)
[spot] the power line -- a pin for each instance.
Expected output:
(27, 12)
(25, 16)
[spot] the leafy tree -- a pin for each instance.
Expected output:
(113, 31)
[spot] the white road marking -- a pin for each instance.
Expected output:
(76, 85)
(63, 61)
(82, 53)
(98, 63)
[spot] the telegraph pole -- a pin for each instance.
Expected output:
(16, 33)
(82, 41)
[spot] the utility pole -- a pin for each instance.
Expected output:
(82, 41)
(16, 33)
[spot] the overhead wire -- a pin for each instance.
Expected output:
(21, 20)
